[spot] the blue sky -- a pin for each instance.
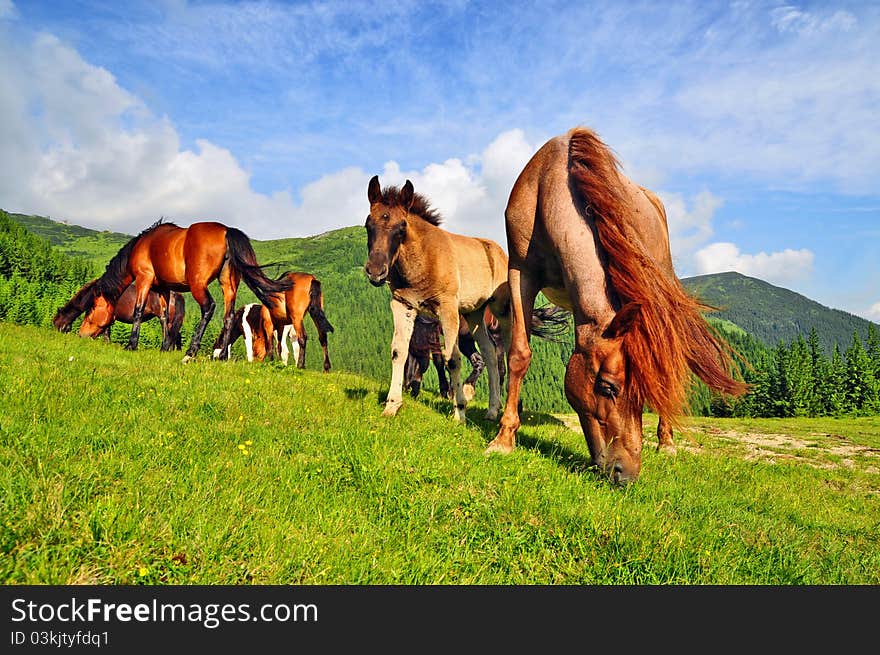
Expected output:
(758, 123)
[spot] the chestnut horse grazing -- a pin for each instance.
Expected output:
(166, 257)
(101, 317)
(596, 243)
(435, 273)
(285, 320)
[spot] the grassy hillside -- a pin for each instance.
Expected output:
(132, 468)
(773, 314)
(358, 311)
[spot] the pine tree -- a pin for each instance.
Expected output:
(799, 377)
(859, 385)
(838, 401)
(820, 377)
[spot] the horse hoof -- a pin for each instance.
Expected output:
(391, 409)
(469, 392)
(667, 449)
(496, 446)
(186, 359)
(492, 415)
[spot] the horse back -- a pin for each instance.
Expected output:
(482, 270)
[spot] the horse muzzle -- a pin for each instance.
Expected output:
(619, 469)
(376, 274)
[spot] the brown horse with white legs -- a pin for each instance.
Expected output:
(166, 257)
(285, 321)
(598, 244)
(437, 273)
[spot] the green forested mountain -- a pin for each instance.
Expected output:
(768, 325)
(74, 240)
(773, 314)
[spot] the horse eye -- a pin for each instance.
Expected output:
(608, 389)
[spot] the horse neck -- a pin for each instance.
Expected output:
(416, 253)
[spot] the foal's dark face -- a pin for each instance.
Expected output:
(386, 230)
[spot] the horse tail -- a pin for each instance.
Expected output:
(670, 337)
(241, 257)
(551, 323)
(81, 301)
(316, 307)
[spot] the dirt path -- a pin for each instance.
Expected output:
(818, 449)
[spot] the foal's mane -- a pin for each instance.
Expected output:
(111, 283)
(420, 206)
(670, 336)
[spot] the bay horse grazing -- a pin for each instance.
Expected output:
(166, 257)
(436, 273)
(102, 315)
(284, 320)
(596, 243)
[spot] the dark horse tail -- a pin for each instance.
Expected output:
(243, 260)
(551, 323)
(316, 308)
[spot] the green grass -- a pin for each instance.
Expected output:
(132, 468)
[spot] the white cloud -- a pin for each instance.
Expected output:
(791, 19)
(93, 154)
(689, 229)
(779, 267)
(76, 145)
(873, 312)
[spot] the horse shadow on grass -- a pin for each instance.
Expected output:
(571, 460)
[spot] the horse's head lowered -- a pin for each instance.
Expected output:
(386, 228)
(608, 404)
(99, 318)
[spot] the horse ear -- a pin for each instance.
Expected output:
(406, 195)
(623, 320)
(374, 191)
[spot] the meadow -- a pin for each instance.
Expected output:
(132, 468)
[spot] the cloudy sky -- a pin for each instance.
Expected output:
(757, 122)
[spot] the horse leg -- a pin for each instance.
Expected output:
(437, 358)
(404, 319)
(142, 290)
(487, 348)
(450, 320)
(228, 280)
(664, 437)
(412, 376)
(206, 304)
(322, 339)
(165, 320)
(301, 339)
(468, 348)
(519, 355)
(285, 335)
